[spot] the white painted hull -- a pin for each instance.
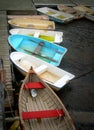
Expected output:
(56, 77)
(53, 36)
(56, 15)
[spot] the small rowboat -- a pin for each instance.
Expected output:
(56, 15)
(57, 78)
(32, 23)
(52, 36)
(47, 51)
(40, 108)
(84, 9)
(41, 17)
(88, 12)
(77, 14)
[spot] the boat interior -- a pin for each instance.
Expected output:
(78, 37)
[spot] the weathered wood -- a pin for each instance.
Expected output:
(18, 7)
(52, 3)
(46, 99)
(2, 76)
(5, 70)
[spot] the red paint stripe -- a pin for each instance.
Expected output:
(34, 85)
(42, 114)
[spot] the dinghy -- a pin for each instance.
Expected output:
(84, 9)
(52, 36)
(56, 15)
(47, 51)
(76, 13)
(32, 23)
(88, 12)
(41, 17)
(57, 78)
(40, 108)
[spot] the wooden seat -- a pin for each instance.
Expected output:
(42, 114)
(34, 85)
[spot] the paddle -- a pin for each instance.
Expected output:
(41, 55)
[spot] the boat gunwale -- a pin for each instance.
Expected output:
(48, 88)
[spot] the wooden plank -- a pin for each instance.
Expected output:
(52, 2)
(4, 55)
(84, 2)
(20, 5)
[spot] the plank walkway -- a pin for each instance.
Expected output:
(52, 2)
(4, 53)
(17, 7)
(65, 2)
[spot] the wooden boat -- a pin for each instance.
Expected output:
(56, 15)
(52, 36)
(56, 77)
(77, 14)
(32, 23)
(88, 12)
(84, 9)
(47, 51)
(41, 17)
(40, 108)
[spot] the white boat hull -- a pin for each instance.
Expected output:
(56, 77)
(53, 36)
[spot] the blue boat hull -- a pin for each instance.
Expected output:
(49, 52)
